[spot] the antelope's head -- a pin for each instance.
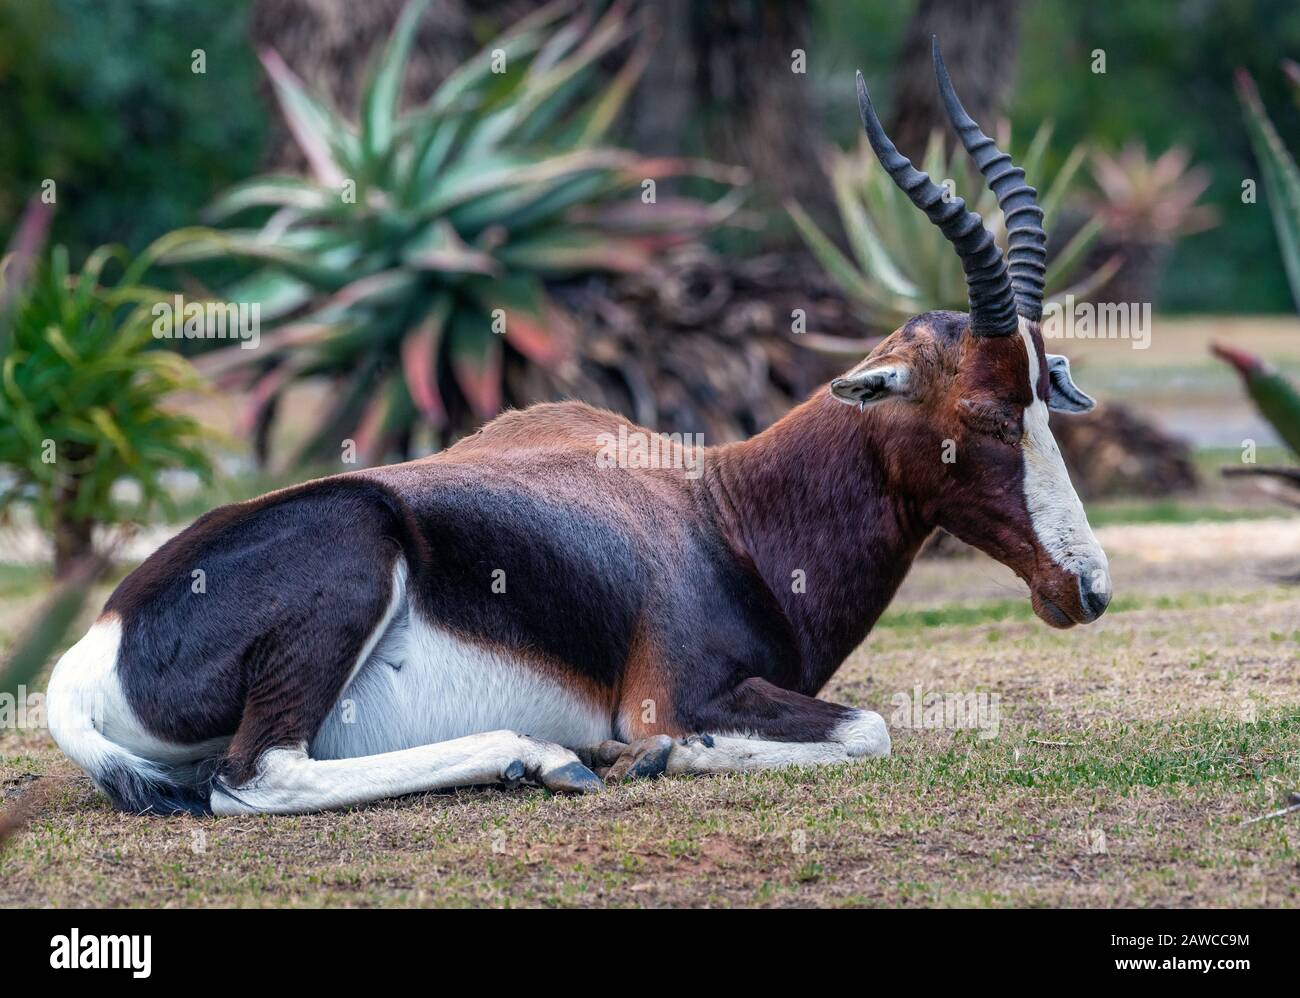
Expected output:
(964, 398)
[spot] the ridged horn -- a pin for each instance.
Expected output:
(988, 286)
(1026, 240)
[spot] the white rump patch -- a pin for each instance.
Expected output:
(91, 720)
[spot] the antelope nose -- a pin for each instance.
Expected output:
(1094, 596)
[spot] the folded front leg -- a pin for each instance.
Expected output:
(758, 725)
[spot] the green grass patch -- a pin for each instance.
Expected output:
(1205, 749)
(22, 580)
(958, 615)
(1209, 460)
(996, 611)
(1119, 512)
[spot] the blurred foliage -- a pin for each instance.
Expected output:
(101, 98)
(1281, 176)
(1151, 199)
(424, 241)
(905, 264)
(1168, 82)
(83, 401)
(48, 625)
(1274, 395)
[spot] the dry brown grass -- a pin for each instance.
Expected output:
(1151, 735)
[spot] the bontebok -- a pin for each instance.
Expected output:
(517, 607)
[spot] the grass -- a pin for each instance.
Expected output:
(1209, 461)
(1127, 757)
(22, 580)
(981, 612)
(1135, 818)
(1119, 512)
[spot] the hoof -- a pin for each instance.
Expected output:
(572, 778)
(643, 759)
(607, 752)
(513, 773)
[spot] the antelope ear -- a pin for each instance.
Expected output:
(871, 385)
(1063, 394)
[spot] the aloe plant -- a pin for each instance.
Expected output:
(1272, 392)
(901, 266)
(1281, 178)
(85, 401)
(412, 266)
(1145, 202)
(33, 649)
(48, 625)
(1274, 396)
(1151, 198)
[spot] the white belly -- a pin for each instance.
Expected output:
(424, 685)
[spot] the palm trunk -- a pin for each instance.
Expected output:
(73, 540)
(980, 39)
(724, 74)
(73, 533)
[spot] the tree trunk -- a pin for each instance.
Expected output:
(980, 40)
(73, 541)
(73, 535)
(738, 71)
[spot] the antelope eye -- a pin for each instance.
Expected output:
(995, 419)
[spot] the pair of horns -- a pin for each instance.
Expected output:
(998, 293)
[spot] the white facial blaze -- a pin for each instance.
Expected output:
(1054, 507)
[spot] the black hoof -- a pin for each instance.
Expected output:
(652, 760)
(514, 772)
(573, 778)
